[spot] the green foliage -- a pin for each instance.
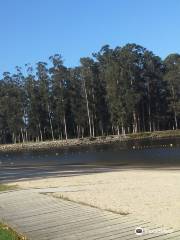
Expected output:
(172, 76)
(118, 91)
(7, 233)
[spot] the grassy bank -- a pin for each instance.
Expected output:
(88, 141)
(7, 233)
(4, 187)
(157, 134)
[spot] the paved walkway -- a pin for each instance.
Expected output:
(43, 217)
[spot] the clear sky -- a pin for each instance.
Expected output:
(32, 30)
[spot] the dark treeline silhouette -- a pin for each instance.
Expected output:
(117, 91)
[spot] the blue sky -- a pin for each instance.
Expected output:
(32, 30)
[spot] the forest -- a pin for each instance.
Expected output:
(116, 91)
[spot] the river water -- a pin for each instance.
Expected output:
(144, 153)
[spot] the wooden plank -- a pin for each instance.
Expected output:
(81, 230)
(103, 232)
(76, 220)
(42, 217)
(79, 224)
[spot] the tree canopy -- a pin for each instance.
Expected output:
(116, 91)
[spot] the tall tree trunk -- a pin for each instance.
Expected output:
(26, 135)
(65, 128)
(113, 131)
(175, 114)
(175, 119)
(50, 122)
(52, 132)
(93, 128)
(135, 128)
(82, 131)
(22, 135)
(138, 124)
(14, 138)
(118, 131)
(150, 121)
(149, 109)
(143, 118)
(78, 131)
(40, 131)
(101, 128)
(122, 127)
(88, 112)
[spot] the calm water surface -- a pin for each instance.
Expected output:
(166, 151)
(75, 161)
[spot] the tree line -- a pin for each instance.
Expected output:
(117, 91)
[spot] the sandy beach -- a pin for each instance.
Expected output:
(152, 194)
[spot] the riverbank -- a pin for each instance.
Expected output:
(147, 194)
(87, 141)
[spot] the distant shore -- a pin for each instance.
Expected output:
(27, 146)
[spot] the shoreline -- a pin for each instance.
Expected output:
(37, 146)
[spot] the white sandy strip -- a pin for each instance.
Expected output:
(152, 195)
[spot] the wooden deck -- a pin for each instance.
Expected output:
(42, 217)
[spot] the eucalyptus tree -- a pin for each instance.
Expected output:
(32, 106)
(6, 135)
(77, 100)
(44, 103)
(18, 80)
(87, 76)
(101, 111)
(120, 67)
(154, 90)
(11, 108)
(59, 76)
(131, 58)
(121, 90)
(109, 74)
(172, 76)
